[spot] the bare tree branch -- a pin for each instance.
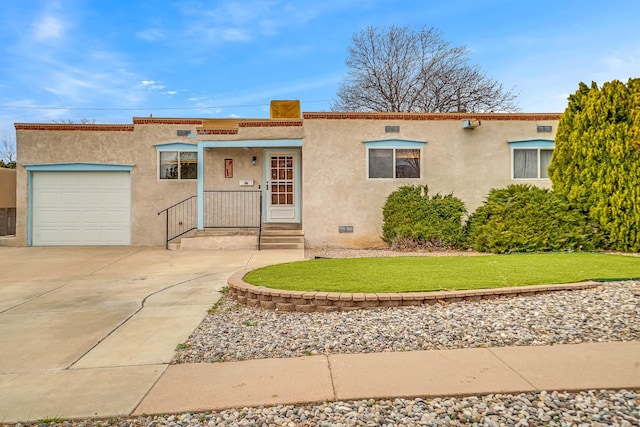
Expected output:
(400, 70)
(7, 152)
(82, 121)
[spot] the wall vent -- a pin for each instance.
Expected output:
(392, 129)
(544, 128)
(183, 132)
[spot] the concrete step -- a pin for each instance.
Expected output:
(226, 232)
(221, 242)
(271, 232)
(282, 239)
(239, 238)
(268, 245)
(281, 226)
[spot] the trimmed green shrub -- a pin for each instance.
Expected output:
(523, 218)
(413, 219)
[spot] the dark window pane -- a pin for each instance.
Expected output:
(407, 163)
(168, 165)
(381, 163)
(188, 165)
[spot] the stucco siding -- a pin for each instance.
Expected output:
(336, 192)
(149, 195)
(7, 188)
(243, 169)
(136, 145)
(335, 188)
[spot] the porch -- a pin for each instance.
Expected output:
(232, 220)
(244, 187)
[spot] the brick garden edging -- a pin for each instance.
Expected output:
(277, 299)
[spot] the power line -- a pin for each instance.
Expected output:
(20, 107)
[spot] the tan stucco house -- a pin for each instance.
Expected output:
(325, 175)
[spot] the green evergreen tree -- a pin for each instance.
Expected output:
(596, 161)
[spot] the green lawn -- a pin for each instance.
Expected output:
(412, 274)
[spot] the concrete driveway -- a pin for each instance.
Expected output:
(88, 331)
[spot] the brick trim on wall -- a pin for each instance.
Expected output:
(270, 123)
(288, 123)
(217, 131)
(432, 116)
(165, 121)
(74, 127)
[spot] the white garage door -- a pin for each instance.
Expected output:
(81, 208)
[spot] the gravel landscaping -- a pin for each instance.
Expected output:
(589, 408)
(237, 332)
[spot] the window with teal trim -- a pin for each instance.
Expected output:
(178, 165)
(394, 163)
(531, 163)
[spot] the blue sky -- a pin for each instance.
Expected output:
(111, 60)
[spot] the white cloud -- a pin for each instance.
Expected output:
(151, 34)
(235, 34)
(152, 84)
(621, 64)
(48, 28)
(69, 86)
(241, 21)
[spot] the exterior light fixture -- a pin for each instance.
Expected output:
(470, 124)
(253, 160)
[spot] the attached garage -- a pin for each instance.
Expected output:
(80, 204)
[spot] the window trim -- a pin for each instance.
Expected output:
(530, 144)
(394, 144)
(176, 147)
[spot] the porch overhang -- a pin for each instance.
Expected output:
(243, 143)
(251, 143)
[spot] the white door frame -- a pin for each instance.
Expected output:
(287, 215)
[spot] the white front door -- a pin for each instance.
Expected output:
(282, 171)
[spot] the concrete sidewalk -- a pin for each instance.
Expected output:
(200, 387)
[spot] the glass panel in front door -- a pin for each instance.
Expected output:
(282, 180)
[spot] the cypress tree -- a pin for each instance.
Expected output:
(596, 161)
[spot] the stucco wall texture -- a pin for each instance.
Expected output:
(7, 188)
(465, 162)
(334, 183)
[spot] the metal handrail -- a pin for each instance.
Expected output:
(179, 203)
(260, 228)
(222, 209)
(179, 228)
